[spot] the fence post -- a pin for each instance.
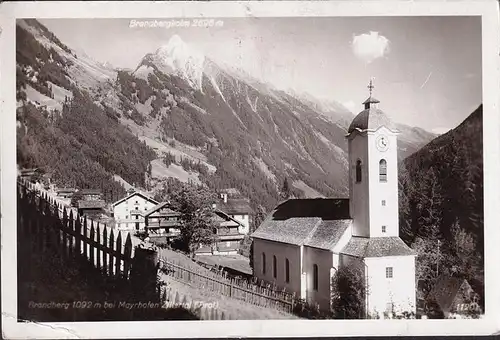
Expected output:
(85, 239)
(111, 248)
(78, 235)
(143, 274)
(105, 254)
(92, 247)
(119, 254)
(127, 256)
(98, 259)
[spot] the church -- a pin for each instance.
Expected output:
(302, 242)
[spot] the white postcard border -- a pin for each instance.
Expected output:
(240, 328)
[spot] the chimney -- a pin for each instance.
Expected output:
(224, 197)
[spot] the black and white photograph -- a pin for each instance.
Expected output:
(249, 167)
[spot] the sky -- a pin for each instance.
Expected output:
(426, 70)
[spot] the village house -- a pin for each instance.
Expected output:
(65, 192)
(90, 194)
(236, 208)
(30, 174)
(90, 203)
(227, 236)
(129, 211)
(92, 208)
(302, 242)
(162, 223)
(455, 298)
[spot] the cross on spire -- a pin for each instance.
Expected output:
(371, 86)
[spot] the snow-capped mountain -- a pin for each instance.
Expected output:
(176, 58)
(217, 124)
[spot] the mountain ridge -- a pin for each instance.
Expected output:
(246, 130)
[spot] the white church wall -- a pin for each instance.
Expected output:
(344, 239)
(399, 290)
(325, 260)
(282, 251)
(358, 192)
(381, 215)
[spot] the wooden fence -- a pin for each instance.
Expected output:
(204, 311)
(233, 288)
(74, 235)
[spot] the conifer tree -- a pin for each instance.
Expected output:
(285, 190)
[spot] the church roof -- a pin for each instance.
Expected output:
(324, 208)
(371, 119)
(371, 100)
(318, 222)
(376, 247)
(327, 234)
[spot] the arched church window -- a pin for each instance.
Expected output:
(315, 277)
(383, 170)
(275, 267)
(287, 271)
(263, 263)
(358, 171)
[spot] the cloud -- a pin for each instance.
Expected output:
(369, 46)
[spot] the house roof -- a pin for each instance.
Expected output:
(168, 211)
(234, 206)
(223, 217)
(28, 171)
(97, 204)
(318, 222)
(445, 290)
(376, 247)
(66, 190)
(136, 193)
(90, 192)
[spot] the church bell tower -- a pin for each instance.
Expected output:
(373, 172)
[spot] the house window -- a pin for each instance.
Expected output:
(275, 267)
(263, 263)
(287, 271)
(136, 208)
(126, 217)
(383, 203)
(388, 272)
(358, 171)
(383, 170)
(315, 277)
(136, 202)
(383, 228)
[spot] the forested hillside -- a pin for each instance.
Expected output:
(76, 142)
(441, 200)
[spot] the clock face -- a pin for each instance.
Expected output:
(382, 143)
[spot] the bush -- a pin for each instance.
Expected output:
(305, 310)
(348, 293)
